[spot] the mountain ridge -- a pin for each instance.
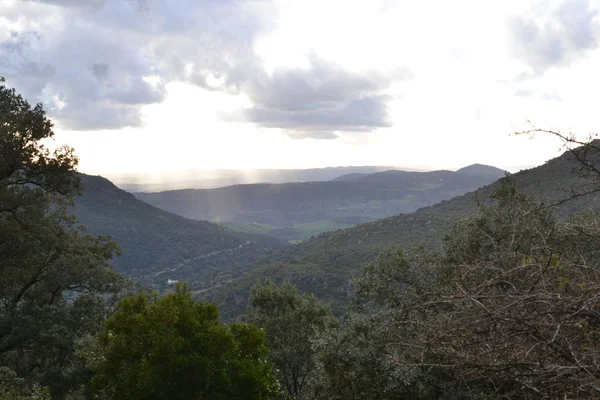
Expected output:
(325, 264)
(154, 241)
(482, 170)
(314, 207)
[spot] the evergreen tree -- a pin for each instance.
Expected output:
(54, 277)
(175, 348)
(292, 322)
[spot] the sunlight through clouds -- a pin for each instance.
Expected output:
(289, 84)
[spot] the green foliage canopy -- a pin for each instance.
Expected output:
(175, 348)
(292, 322)
(507, 309)
(54, 277)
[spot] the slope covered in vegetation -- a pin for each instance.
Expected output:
(324, 206)
(325, 264)
(157, 246)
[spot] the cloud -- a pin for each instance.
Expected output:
(551, 97)
(85, 3)
(87, 77)
(524, 93)
(322, 85)
(556, 39)
(534, 94)
(315, 101)
(95, 63)
(358, 115)
(71, 3)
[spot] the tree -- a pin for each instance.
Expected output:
(523, 292)
(292, 322)
(371, 356)
(54, 277)
(15, 388)
(508, 309)
(586, 153)
(175, 348)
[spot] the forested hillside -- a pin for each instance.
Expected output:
(299, 200)
(157, 246)
(325, 264)
(297, 211)
(506, 307)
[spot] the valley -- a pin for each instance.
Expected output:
(325, 265)
(221, 261)
(297, 211)
(157, 246)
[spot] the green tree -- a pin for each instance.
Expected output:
(15, 388)
(175, 348)
(508, 309)
(292, 322)
(54, 277)
(371, 356)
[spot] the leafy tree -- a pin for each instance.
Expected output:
(175, 348)
(522, 293)
(292, 321)
(508, 309)
(366, 357)
(15, 388)
(352, 363)
(54, 276)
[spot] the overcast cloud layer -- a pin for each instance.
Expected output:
(94, 63)
(365, 72)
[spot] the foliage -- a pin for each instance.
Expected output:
(174, 348)
(508, 309)
(292, 322)
(15, 388)
(55, 277)
(325, 264)
(158, 246)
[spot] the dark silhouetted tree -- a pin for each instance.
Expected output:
(54, 277)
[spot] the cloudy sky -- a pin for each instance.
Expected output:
(156, 87)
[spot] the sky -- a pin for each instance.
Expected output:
(157, 87)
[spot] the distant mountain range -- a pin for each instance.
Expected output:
(398, 176)
(211, 179)
(482, 170)
(158, 246)
(297, 211)
(220, 264)
(324, 265)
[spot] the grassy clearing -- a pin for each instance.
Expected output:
(309, 229)
(248, 227)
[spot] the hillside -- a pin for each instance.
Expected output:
(325, 265)
(482, 170)
(158, 246)
(297, 211)
(349, 177)
(209, 179)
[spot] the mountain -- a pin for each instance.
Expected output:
(349, 177)
(482, 170)
(324, 265)
(210, 179)
(297, 211)
(426, 180)
(479, 170)
(158, 246)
